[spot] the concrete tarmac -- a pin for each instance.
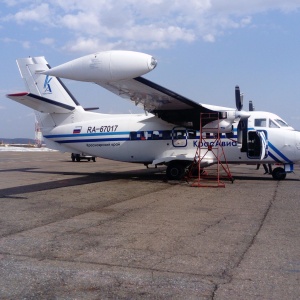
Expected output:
(111, 230)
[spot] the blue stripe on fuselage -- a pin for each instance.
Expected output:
(93, 140)
(54, 136)
(278, 153)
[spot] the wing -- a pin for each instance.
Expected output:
(165, 104)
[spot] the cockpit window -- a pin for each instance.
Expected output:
(282, 123)
(272, 124)
(260, 122)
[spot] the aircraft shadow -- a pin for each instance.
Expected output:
(83, 178)
(267, 178)
(154, 175)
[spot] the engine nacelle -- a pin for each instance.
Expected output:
(225, 125)
(221, 126)
(105, 66)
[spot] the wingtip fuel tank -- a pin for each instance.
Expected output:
(105, 66)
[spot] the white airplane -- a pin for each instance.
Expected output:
(167, 134)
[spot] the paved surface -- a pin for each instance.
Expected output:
(109, 230)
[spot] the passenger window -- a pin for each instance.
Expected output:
(133, 135)
(260, 123)
(166, 134)
(141, 135)
(180, 134)
(144, 135)
(155, 135)
(192, 134)
(138, 135)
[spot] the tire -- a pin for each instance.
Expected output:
(278, 173)
(195, 171)
(175, 171)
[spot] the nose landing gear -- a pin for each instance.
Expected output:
(279, 173)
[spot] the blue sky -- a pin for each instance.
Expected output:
(203, 47)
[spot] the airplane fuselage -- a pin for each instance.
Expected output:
(176, 130)
(150, 140)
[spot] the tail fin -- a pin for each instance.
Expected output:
(47, 94)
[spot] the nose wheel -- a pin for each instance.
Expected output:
(279, 173)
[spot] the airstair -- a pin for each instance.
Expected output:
(209, 153)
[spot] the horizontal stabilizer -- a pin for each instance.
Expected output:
(40, 103)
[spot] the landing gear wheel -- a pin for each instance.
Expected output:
(278, 173)
(195, 172)
(175, 171)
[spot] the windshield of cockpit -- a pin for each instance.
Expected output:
(272, 123)
(281, 123)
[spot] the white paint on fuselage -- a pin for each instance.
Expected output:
(111, 137)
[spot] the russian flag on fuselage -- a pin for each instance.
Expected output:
(77, 129)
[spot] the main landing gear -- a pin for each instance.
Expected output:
(176, 170)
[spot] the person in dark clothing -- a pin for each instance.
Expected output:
(268, 169)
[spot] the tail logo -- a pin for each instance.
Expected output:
(47, 87)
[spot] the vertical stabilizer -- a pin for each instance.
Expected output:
(44, 86)
(47, 95)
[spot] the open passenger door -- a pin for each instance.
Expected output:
(257, 144)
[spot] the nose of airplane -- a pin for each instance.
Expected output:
(298, 140)
(297, 146)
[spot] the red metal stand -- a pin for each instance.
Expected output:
(209, 149)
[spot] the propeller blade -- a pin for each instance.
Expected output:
(251, 106)
(238, 98)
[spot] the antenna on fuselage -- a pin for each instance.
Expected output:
(251, 106)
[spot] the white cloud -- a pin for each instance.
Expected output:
(243, 7)
(209, 38)
(39, 13)
(13, 2)
(91, 24)
(24, 44)
(82, 22)
(8, 40)
(81, 44)
(47, 41)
